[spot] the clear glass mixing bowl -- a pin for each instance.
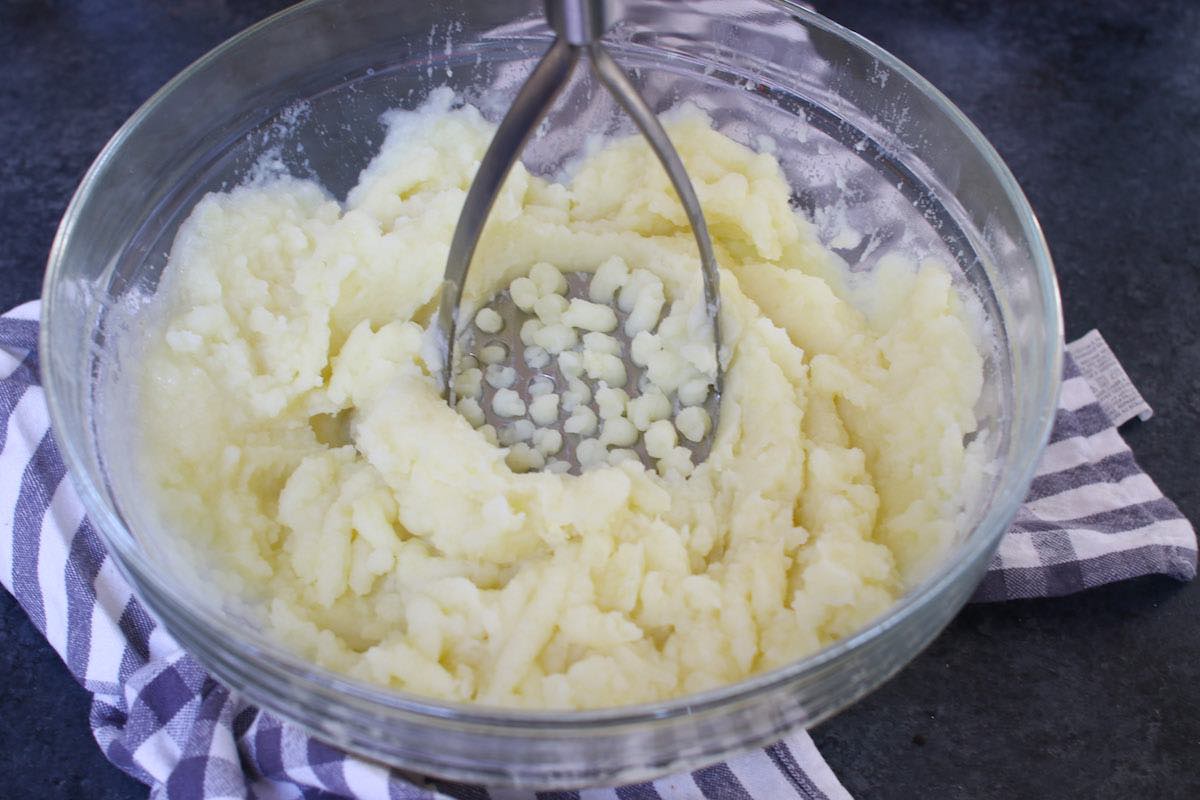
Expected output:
(880, 160)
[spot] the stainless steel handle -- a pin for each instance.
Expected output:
(530, 106)
(619, 85)
(581, 22)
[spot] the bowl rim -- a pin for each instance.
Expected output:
(978, 545)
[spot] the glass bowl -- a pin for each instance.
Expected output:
(871, 148)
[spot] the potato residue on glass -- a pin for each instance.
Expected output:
(292, 430)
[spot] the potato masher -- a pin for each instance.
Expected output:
(579, 26)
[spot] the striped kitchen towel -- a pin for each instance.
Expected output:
(1092, 517)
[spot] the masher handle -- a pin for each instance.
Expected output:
(581, 22)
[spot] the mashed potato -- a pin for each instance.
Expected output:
(293, 431)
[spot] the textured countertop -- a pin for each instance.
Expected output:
(1095, 107)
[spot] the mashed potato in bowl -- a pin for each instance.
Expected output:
(292, 429)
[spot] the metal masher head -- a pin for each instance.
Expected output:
(579, 26)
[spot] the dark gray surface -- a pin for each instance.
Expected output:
(1094, 106)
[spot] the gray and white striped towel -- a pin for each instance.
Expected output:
(1093, 517)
